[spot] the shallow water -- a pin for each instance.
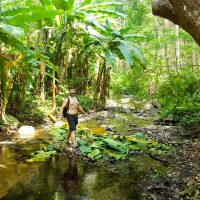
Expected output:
(67, 176)
(121, 121)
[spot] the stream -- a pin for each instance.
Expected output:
(67, 176)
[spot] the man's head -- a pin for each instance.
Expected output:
(72, 91)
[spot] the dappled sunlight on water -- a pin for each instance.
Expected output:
(121, 121)
(67, 176)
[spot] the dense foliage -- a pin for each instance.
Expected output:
(105, 49)
(100, 146)
(179, 97)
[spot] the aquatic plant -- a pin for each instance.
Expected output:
(96, 146)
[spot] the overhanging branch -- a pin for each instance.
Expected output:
(185, 13)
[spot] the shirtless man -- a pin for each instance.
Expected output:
(72, 114)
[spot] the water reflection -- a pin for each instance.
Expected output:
(66, 177)
(70, 178)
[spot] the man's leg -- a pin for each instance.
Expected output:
(68, 136)
(73, 136)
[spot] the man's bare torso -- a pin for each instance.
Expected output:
(73, 106)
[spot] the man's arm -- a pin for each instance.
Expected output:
(81, 110)
(65, 102)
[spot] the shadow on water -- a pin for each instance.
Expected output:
(67, 177)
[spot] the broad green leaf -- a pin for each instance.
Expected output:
(108, 12)
(23, 20)
(125, 30)
(100, 5)
(47, 3)
(92, 22)
(86, 2)
(82, 142)
(10, 40)
(41, 156)
(85, 149)
(137, 54)
(94, 154)
(63, 4)
(96, 145)
(12, 120)
(20, 10)
(58, 134)
(131, 53)
(127, 54)
(115, 155)
(115, 144)
(110, 57)
(13, 30)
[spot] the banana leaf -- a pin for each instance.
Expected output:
(41, 156)
(114, 154)
(96, 145)
(94, 154)
(82, 142)
(85, 149)
(58, 134)
(115, 145)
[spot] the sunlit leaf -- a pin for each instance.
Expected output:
(24, 20)
(110, 57)
(9, 39)
(108, 12)
(94, 154)
(100, 5)
(13, 30)
(85, 149)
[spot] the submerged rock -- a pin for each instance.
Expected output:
(26, 131)
(110, 128)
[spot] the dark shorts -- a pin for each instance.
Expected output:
(72, 121)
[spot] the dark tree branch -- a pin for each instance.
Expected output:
(185, 13)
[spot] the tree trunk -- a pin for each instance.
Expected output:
(165, 50)
(53, 92)
(85, 75)
(185, 13)
(98, 79)
(157, 37)
(4, 75)
(178, 53)
(42, 85)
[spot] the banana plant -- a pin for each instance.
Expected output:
(14, 23)
(4, 87)
(114, 45)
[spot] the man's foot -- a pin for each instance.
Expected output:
(71, 149)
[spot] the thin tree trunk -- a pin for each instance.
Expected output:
(99, 70)
(166, 56)
(105, 84)
(53, 92)
(178, 53)
(42, 84)
(156, 36)
(4, 87)
(85, 75)
(103, 92)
